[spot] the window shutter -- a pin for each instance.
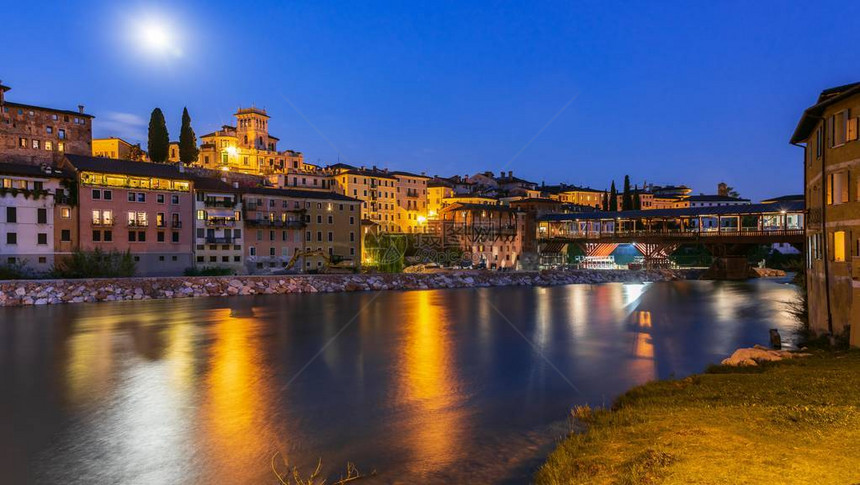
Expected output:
(845, 184)
(852, 129)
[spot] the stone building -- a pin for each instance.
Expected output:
(491, 236)
(828, 132)
(28, 199)
(245, 148)
(300, 230)
(36, 135)
(144, 208)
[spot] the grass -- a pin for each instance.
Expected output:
(794, 421)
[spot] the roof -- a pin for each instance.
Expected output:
(27, 170)
(370, 173)
(714, 198)
(341, 166)
(472, 206)
(252, 110)
(544, 200)
(300, 194)
(556, 189)
(410, 174)
(42, 108)
(685, 212)
(127, 167)
(811, 116)
(785, 198)
(213, 184)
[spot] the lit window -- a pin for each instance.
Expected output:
(839, 246)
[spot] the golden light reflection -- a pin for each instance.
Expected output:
(643, 347)
(431, 390)
(90, 360)
(235, 398)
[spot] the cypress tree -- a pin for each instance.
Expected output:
(627, 197)
(605, 200)
(187, 140)
(159, 141)
(613, 198)
(637, 198)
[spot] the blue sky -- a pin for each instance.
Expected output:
(690, 92)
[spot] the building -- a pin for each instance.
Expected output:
(437, 191)
(714, 200)
(491, 236)
(375, 188)
(218, 225)
(828, 132)
(571, 194)
(245, 148)
(37, 135)
(28, 199)
(114, 147)
(410, 194)
(144, 208)
(300, 230)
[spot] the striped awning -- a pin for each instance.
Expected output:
(553, 247)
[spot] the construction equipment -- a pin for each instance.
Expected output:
(328, 266)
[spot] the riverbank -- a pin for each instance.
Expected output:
(795, 421)
(53, 292)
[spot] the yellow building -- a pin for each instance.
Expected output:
(377, 190)
(437, 192)
(570, 194)
(245, 148)
(411, 198)
(118, 148)
(828, 132)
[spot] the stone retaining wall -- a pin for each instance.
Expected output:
(50, 292)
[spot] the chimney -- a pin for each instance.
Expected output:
(81, 109)
(502, 174)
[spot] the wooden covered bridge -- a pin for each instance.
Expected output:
(727, 232)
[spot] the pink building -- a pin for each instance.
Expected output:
(491, 236)
(145, 208)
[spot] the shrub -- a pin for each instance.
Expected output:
(208, 271)
(14, 271)
(96, 264)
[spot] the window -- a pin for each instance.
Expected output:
(108, 236)
(141, 236)
(132, 236)
(61, 134)
(42, 238)
(159, 198)
(65, 235)
(41, 216)
(11, 238)
(252, 251)
(36, 144)
(11, 215)
(108, 195)
(159, 219)
(160, 236)
(141, 197)
(839, 246)
(97, 194)
(174, 199)
(175, 237)
(49, 146)
(837, 188)
(61, 146)
(22, 142)
(65, 213)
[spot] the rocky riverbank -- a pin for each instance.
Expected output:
(52, 292)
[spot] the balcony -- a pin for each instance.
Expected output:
(228, 204)
(221, 240)
(412, 194)
(288, 224)
(176, 224)
(103, 222)
(221, 221)
(138, 223)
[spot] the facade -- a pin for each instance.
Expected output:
(37, 135)
(490, 235)
(828, 131)
(218, 225)
(411, 201)
(377, 191)
(714, 200)
(300, 230)
(144, 208)
(437, 192)
(245, 148)
(27, 203)
(118, 148)
(571, 194)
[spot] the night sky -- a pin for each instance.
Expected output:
(692, 92)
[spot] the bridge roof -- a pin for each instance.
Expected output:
(724, 210)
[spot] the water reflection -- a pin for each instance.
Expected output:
(424, 386)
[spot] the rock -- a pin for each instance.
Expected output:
(752, 356)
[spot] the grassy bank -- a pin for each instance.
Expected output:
(794, 421)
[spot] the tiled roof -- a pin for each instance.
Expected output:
(811, 116)
(27, 170)
(127, 167)
(42, 108)
(300, 194)
(410, 174)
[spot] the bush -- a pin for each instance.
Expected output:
(208, 271)
(14, 271)
(96, 264)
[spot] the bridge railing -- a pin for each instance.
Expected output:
(692, 234)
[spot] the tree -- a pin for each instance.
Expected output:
(605, 200)
(187, 140)
(733, 193)
(613, 198)
(627, 197)
(637, 198)
(159, 141)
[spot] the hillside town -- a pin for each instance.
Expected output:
(239, 203)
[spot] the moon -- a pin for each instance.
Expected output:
(156, 37)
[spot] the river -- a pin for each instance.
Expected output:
(435, 386)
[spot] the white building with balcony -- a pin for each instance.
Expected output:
(219, 226)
